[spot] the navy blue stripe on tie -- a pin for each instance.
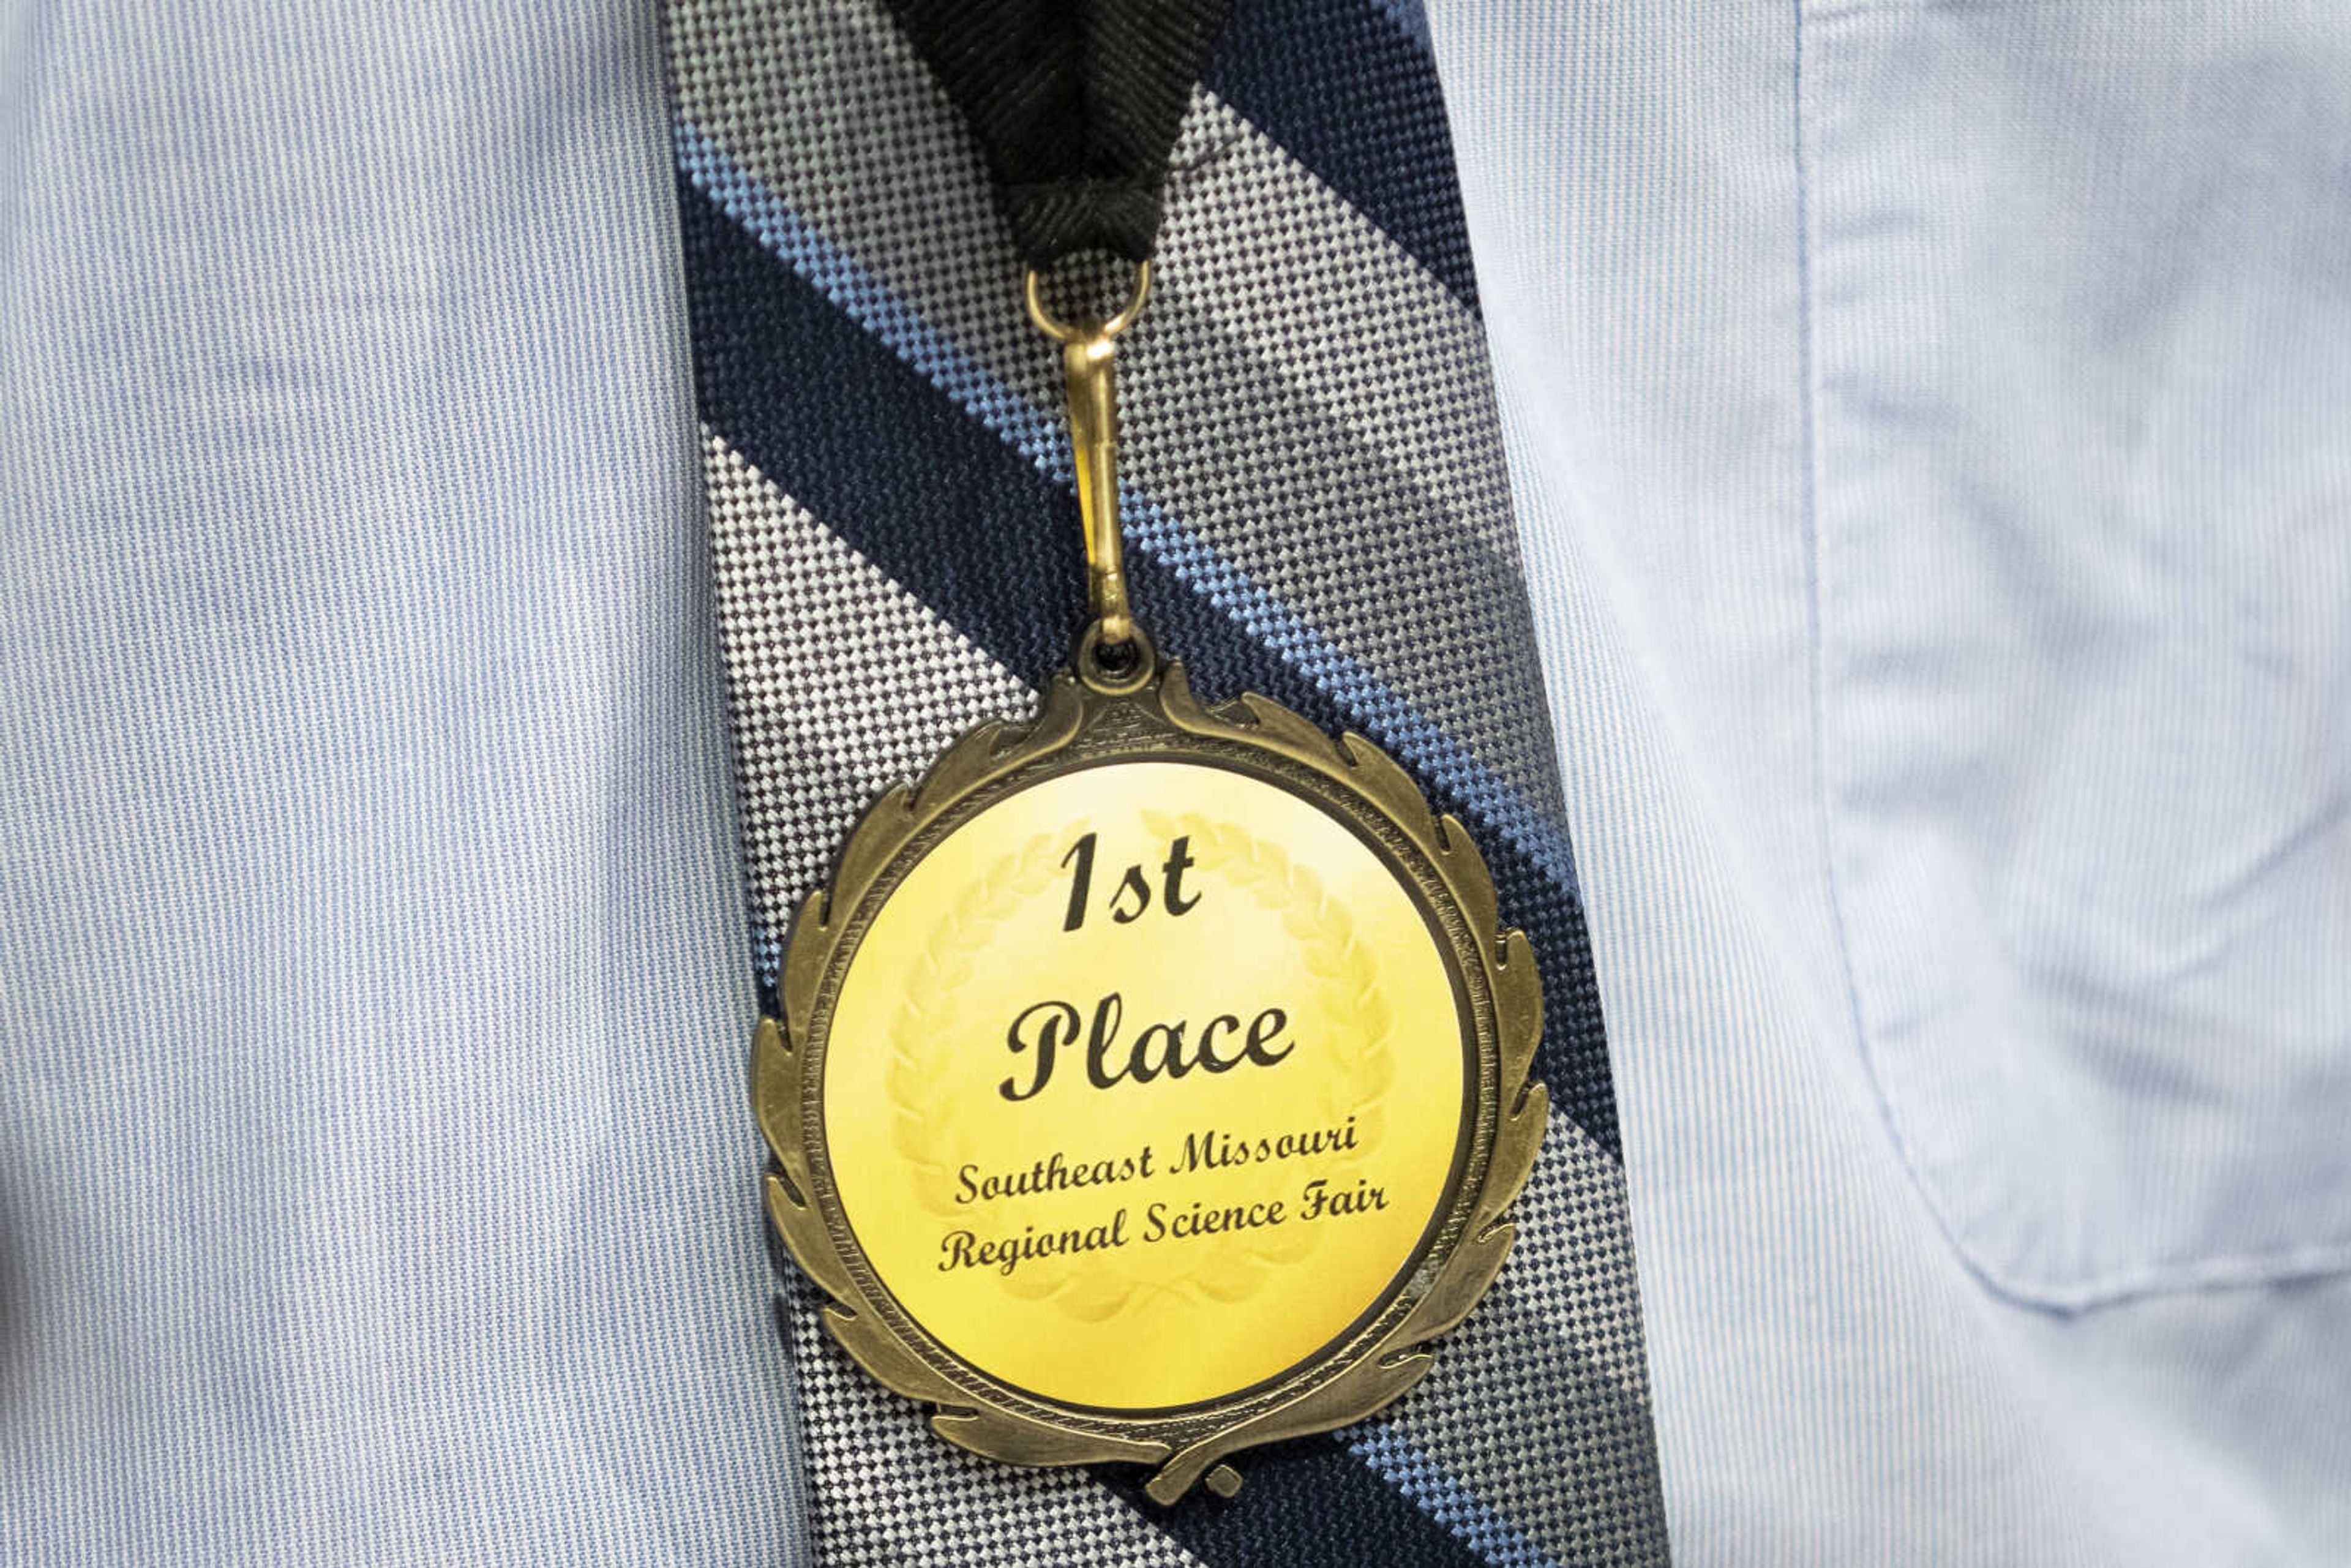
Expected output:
(1340, 86)
(970, 527)
(1309, 1503)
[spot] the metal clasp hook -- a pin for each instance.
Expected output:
(1089, 363)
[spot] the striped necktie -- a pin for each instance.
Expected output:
(1316, 509)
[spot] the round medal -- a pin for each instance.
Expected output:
(1151, 1080)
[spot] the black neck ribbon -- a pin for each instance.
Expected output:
(1076, 105)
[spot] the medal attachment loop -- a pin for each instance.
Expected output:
(1089, 367)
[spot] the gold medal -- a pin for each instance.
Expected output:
(1153, 1079)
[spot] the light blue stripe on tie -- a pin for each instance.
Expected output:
(1153, 527)
(1410, 16)
(1443, 1498)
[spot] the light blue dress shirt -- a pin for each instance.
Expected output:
(1931, 429)
(1931, 425)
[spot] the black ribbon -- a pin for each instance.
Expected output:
(1075, 104)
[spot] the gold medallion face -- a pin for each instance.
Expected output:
(1145, 1084)
(1152, 1082)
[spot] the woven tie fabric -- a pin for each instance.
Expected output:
(1317, 510)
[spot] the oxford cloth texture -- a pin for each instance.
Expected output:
(1929, 429)
(372, 1128)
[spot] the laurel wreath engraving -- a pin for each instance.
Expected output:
(1087, 1289)
(920, 1090)
(1160, 719)
(1325, 936)
(926, 1009)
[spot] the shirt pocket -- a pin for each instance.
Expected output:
(2079, 308)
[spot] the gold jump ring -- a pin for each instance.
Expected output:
(1060, 331)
